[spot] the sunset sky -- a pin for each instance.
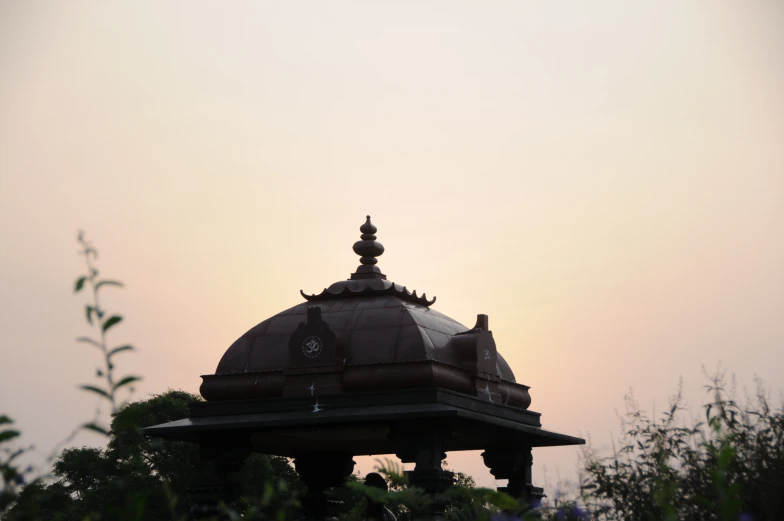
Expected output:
(604, 179)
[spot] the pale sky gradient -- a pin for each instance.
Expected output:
(604, 179)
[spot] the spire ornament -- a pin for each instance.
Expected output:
(368, 249)
(368, 281)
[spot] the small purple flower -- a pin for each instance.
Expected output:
(573, 512)
(536, 504)
(19, 479)
(745, 517)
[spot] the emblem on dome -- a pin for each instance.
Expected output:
(314, 344)
(312, 347)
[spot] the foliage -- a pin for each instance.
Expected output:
(96, 315)
(100, 319)
(137, 478)
(728, 467)
(463, 501)
(277, 501)
(12, 477)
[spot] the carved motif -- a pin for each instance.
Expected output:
(312, 347)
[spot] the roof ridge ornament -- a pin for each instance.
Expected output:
(368, 249)
(368, 281)
(369, 291)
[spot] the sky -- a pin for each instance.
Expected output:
(604, 179)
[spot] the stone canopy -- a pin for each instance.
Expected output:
(365, 367)
(363, 334)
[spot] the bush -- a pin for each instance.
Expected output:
(135, 477)
(728, 467)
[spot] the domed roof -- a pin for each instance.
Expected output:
(374, 329)
(369, 332)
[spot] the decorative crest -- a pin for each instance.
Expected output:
(394, 290)
(368, 281)
(368, 249)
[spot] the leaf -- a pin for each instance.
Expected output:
(377, 495)
(92, 426)
(96, 390)
(109, 283)
(88, 310)
(5, 420)
(112, 320)
(120, 349)
(125, 381)
(498, 499)
(15, 454)
(8, 435)
(79, 284)
(88, 340)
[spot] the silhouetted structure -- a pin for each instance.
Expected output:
(364, 367)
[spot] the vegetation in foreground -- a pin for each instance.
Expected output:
(727, 467)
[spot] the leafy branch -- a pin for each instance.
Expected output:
(102, 321)
(12, 477)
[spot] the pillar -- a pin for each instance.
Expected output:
(513, 463)
(424, 446)
(221, 458)
(320, 471)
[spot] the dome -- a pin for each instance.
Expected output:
(362, 334)
(379, 329)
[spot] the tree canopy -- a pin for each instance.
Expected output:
(135, 477)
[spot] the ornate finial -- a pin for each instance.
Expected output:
(368, 249)
(368, 229)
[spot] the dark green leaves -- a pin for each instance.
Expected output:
(88, 340)
(96, 390)
(109, 283)
(676, 467)
(134, 478)
(92, 426)
(126, 381)
(99, 318)
(79, 284)
(488, 496)
(120, 349)
(8, 435)
(111, 321)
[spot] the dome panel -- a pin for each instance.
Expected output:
(269, 352)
